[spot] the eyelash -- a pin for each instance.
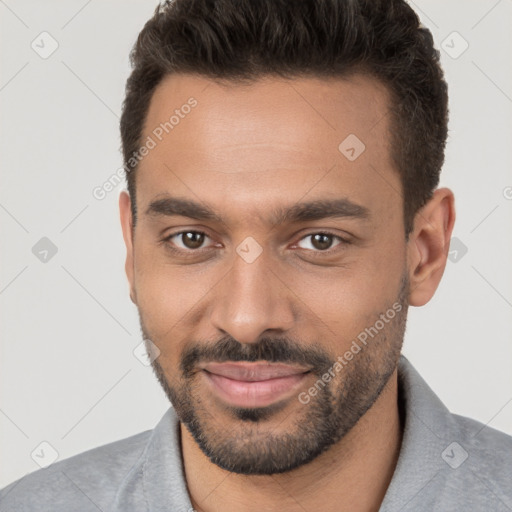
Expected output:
(194, 252)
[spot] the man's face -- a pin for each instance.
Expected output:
(249, 309)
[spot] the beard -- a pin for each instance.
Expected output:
(252, 443)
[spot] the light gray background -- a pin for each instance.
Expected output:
(67, 372)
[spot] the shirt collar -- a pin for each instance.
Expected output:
(427, 432)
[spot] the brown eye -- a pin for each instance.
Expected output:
(321, 241)
(187, 240)
(192, 239)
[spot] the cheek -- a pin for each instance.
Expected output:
(168, 294)
(342, 301)
(338, 302)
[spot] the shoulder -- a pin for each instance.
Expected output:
(479, 466)
(87, 481)
(488, 450)
(465, 464)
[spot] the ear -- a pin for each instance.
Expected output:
(428, 245)
(125, 211)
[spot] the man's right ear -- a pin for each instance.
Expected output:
(125, 212)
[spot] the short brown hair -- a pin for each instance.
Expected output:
(243, 40)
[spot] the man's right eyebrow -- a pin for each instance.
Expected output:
(175, 206)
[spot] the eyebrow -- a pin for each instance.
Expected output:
(308, 211)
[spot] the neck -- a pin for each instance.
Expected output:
(353, 475)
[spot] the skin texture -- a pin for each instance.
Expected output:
(244, 151)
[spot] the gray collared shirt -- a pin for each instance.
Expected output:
(446, 463)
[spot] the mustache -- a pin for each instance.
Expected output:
(274, 350)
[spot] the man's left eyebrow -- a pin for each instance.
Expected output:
(321, 209)
(301, 212)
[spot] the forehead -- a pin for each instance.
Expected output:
(272, 141)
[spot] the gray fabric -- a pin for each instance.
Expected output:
(145, 472)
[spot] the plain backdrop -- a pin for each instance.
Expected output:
(68, 375)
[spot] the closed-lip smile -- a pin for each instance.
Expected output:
(252, 384)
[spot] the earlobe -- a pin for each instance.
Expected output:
(125, 213)
(429, 244)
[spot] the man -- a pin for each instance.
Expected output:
(282, 214)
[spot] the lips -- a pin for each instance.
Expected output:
(252, 372)
(256, 384)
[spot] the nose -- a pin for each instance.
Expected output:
(250, 300)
